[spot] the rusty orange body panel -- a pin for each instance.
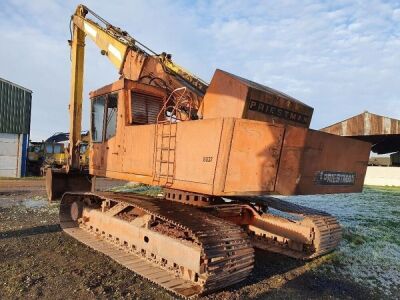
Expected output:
(312, 162)
(232, 96)
(227, 155)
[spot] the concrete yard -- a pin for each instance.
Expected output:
(37, 260)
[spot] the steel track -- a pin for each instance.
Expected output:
(326, 228)
(226, 250)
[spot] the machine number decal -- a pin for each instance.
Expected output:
(207, 159)
(335, 178)
(271, 110)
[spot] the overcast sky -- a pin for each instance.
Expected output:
(340, 57)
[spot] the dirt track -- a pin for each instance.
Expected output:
(38, 261)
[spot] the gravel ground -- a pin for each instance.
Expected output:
(37, 260)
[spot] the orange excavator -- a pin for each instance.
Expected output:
(219, 151)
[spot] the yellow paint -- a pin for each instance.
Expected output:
(76, 92)
(186, 75)
(109, 45)
(113, 48)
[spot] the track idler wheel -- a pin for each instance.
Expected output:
(327, 233)
(71, 209)
(76, 210)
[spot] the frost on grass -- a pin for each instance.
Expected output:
(370, 250)
(138, 188)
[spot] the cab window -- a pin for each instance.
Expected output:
(83, 148)
(98, 105)
(112, 112)
(49, 148)
(57, 148)
(104, 117)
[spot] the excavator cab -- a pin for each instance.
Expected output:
(115, 109)
(122, 104)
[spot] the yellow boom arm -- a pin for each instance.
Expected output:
(114, 48)
(115, 44)
(110, 46)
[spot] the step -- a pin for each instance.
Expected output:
(165, 161)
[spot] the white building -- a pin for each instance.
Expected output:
(15, 120)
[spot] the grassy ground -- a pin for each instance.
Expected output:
(370, 251)
(386, 188)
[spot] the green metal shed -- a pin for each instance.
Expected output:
(15, 108)
(15, 121)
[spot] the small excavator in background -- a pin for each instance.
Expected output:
(53, 153)
(219, 151)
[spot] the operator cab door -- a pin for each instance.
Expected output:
(106, 144)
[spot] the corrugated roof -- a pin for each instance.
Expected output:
(16, 85)
(15, 108)
(365, 123)
(382, 132)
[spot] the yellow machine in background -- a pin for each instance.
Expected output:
(83, 152)
(42, 155)
(53, 153)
